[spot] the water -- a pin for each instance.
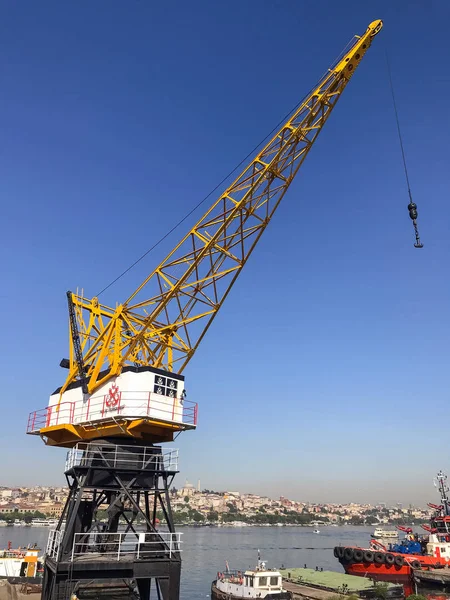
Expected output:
(205, 549)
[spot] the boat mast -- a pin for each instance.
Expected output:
(443, 490)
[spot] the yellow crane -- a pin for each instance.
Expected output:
(161, 324)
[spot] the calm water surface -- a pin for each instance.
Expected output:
(205, 549)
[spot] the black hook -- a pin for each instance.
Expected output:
(412, 208)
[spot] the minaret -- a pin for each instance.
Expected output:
(198, 486)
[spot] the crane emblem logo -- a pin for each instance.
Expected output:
(113, 396)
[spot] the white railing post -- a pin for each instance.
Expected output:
(118, 549)
(170, 546)
(115, 456)
(73, 546)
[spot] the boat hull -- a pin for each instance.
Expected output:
(30, 580)
(381, 572)
(383, 565)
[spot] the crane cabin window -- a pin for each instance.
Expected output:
(165, 386)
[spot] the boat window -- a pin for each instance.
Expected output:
(262, 581)
(442, 549)
(274, 581)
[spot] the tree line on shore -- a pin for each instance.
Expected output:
(27, 517)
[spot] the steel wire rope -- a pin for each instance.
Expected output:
(398, 125)
(197, 206)
(412, 207)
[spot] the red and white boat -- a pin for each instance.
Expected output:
(396, 561)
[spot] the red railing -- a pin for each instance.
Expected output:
(50, 416)
(129, 405)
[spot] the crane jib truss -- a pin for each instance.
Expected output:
(185, 291)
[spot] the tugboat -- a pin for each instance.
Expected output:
(397, 561)
(255, 583)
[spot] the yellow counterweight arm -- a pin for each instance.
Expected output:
(184, 293)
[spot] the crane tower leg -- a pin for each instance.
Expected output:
(108, 539)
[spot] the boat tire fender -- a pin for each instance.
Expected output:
(340, 551)
(378, 558)
(399, 561)
(389, 558)
(348, 554)
(415, 564)
(358, 555)
(368, 556)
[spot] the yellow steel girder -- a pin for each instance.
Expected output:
(185, 291)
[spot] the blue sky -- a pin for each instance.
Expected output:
(325, 376)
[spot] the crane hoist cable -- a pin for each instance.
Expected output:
(208, 195)
(161, 324)
(412, 206)
(194, 208)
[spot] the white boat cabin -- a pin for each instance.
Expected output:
(20, 562)
(385, 533)
(439, 539)
(257, 583)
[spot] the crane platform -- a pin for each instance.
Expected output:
(142, 403)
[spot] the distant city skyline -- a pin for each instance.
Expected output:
(12, 494)
(180, 483)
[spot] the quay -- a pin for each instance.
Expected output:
(10, 591)
(325, 585)
(432, 576)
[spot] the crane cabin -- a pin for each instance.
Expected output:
(140, 401)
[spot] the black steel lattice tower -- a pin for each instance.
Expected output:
(124, 555)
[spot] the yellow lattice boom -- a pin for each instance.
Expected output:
(183, 294)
